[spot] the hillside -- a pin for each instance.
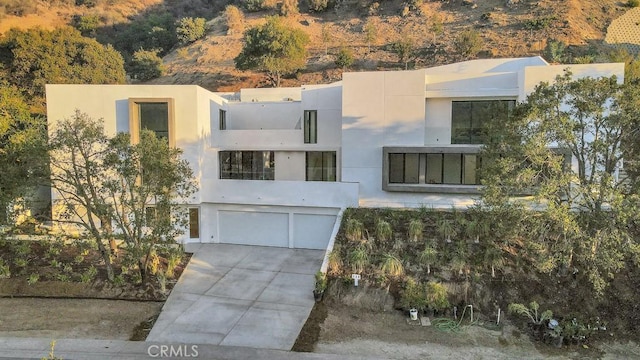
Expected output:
(508, 28)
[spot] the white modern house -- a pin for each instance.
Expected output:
(275, 166)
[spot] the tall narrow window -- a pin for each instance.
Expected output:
(404, 168)
(222, 117)
(194, 223)
(310, 126)
(152, 114)
(321, 165)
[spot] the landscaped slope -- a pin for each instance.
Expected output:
(505, 28)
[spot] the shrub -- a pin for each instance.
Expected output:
(190, 29)
(4, 270)
(530, 312)
(321, 282)
(428, 257)
(87, 3)
(319, 5)
(335, 261)
(539, 23)
(33, 278)
(86, 24)
(383, 230)
(391, 266)
(359, 259)
(344, 59)
(415, 229)
(89, 274)
(468, 43)
(172, 263)
(554, 51)
(146, 65)
(413, 296)
(254, 5)
(234, 18)
(289, 7)
(354, 230)
(436, 298)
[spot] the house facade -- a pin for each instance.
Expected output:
(275, 166)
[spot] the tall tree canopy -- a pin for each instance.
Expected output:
(32, 58)
(22, 147)
(586, 125)
(106, 186)
(274, 48)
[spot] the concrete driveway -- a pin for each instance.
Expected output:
(238, 295)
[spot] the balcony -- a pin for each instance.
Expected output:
(284, 139)
(282, 193)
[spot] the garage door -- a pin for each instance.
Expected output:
(254, 228)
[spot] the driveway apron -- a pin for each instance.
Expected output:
(240, 295)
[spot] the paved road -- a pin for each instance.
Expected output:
(85, 349)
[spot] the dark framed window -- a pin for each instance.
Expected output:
(321, 166)
(434, 168)
(310, 126)
(404, 168)
(222, 119)
(247, 165)
(194, 223)
(468, 118)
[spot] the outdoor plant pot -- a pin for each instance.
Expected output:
(318, 295)
(413, 314)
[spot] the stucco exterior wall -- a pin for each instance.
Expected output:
(357, 117)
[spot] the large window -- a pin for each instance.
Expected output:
(310, 126)
(247, 165)
(469, 117)
(430, 168)
(321, 166)
(152, 114)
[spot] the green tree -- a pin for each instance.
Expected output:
(149, 173)
(405, 48)
(554, 51)
(319, 5)
(146, 65)
(190, 29)
(274, 48)
(370, 33)
(78, 174)
(154, 31)
(22, 148)
(468, 43)
(437, 26)
(35, 57)
(344, 59)
(86, 24)
(106, 185)
(593, 122)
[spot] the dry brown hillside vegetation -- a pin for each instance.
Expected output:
(506, 28)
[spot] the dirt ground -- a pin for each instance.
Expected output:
(349, 330)
(73, 318)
